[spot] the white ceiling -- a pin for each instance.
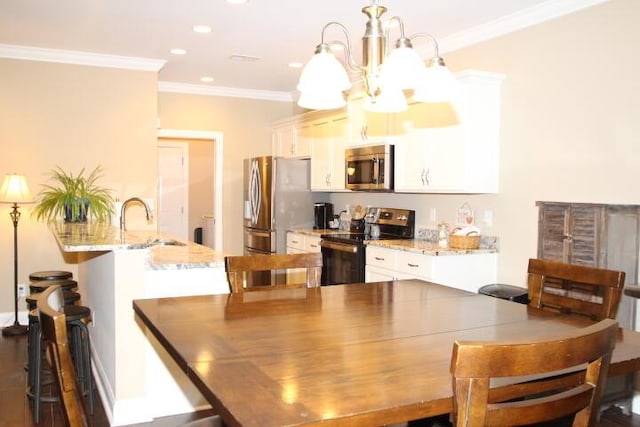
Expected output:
(278, 31)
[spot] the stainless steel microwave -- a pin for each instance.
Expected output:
(369, 168)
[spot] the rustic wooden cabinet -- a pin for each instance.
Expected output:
(597, 235)
(572, 233)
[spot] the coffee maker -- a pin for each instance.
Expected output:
(322, 214)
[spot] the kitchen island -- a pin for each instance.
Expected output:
(136, 378)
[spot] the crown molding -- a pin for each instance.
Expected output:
(80, 58)
(526, 18)
(266, 95)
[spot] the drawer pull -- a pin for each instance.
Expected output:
(314, 246)
(377, 258)
(413, 265)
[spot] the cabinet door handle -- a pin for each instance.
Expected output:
(294, 241)
(363, 132)
(413, 265)
(313, 246)
(568, 237)
(378, 258)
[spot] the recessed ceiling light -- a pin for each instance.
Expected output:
(295, 64)
(244, 58)
(202, 29)
(178, 51)
(206, 79)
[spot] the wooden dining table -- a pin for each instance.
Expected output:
(357, 354)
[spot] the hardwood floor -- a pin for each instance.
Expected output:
(15, 408)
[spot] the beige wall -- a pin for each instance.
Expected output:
(245, 124)
(73, 117)
(570, 124)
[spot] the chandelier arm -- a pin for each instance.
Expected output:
(429, 37)
(353, 65)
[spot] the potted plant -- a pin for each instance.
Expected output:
(75, 198)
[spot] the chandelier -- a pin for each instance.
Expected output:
(385, 75)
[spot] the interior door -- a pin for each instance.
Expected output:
(173, 173)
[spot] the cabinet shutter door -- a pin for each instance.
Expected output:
(552, 228)
(586, 225)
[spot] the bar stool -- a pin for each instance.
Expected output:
(38, 286)
(77, 318)
(70, 298)
(50, 275)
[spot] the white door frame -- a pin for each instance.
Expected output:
(217, 138)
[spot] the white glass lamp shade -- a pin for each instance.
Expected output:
(322, 100)
(322, 83)
(15, 190)
(324, 72)
(403, 68)
(390, 100)
(439, 85)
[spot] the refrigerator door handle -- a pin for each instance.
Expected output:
(255, 196)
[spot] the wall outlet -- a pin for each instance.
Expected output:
(432, 214)
(22, 290)
(488, 218)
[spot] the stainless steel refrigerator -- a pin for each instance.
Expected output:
(277, 197)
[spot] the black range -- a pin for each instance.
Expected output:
(344, 254)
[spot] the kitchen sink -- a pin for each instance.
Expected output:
(165, 242)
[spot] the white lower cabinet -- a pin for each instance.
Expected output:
(467, 272)
(298, 243)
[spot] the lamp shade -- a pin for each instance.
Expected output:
(322, 100)
(403, 68)
(15, 190)
(324, 72)
(439, 85)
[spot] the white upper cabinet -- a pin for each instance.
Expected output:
(291, 139)
(327, 153)
(365, 127)
(451, 147)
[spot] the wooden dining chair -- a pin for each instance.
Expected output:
(576, 289)
(54, 332)
(239, 267)
(477, 365)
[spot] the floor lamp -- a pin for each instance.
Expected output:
(15, 191)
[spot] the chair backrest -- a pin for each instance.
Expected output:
(589, 291)
(237, 268)
(54, 331)
(475, 363)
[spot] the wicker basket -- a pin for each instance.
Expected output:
(464, 242)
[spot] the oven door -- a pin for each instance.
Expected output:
(342, 263)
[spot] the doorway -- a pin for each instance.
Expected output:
(208, 215)
(173, 188)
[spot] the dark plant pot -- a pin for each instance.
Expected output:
(82, 214)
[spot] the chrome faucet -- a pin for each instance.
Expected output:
(124, 208)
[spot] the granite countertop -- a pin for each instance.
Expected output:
(427, 248)
(317, 232)
(165, 251)
(488, 245)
